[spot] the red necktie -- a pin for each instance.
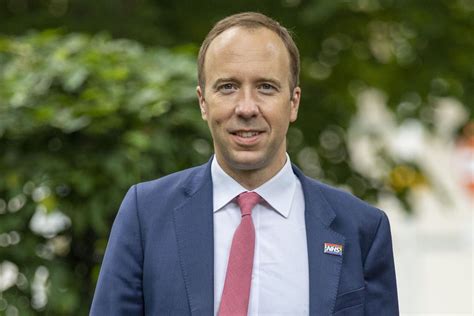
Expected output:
(236, 293)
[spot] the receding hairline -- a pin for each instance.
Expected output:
(219, 41)
(251, 21)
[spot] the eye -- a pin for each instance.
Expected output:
(227, 88)
(267, 88)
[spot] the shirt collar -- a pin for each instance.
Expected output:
(278, 191)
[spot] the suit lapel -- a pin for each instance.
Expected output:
(324, 268)
(193, 222)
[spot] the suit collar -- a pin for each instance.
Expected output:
(314, 198)
(278, 191)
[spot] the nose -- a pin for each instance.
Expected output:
(247, 104)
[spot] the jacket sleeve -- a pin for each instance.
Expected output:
(379, 272)
(119, 287)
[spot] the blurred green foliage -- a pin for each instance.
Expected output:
(84, 115)
(81, 119)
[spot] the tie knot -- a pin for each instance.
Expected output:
(247, 201)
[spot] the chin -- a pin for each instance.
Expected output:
(251, 161)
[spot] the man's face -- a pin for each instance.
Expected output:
(247, 100)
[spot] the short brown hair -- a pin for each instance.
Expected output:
(252, 20)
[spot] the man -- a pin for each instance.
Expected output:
(246, 233)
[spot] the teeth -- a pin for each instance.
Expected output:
(246, 134)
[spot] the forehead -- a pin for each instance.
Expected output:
(247, 48)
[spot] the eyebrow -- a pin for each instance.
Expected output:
(223, 80)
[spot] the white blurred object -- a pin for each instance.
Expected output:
(8, 275)
(449, 115)
(407, 143)
(375, 142)
(39, 288)
(432, 247)
(49, 224)
(370, 129)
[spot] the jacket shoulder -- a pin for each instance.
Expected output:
(345, 204)
(355, 219)
(174, 183)
(156, 197)
(351, 217)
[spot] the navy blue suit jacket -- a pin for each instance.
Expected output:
(160, 256)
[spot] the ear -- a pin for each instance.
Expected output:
(202, 102)
(295, 103)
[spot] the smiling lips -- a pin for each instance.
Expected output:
(246, 134)
(247, 138)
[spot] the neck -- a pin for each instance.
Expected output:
(251, 179)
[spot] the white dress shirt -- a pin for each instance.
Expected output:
(280, 283)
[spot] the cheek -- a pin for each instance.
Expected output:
(282, 117)
(219, 117)
(215, 121)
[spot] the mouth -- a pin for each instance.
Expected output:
(246, 137)
(246, 134)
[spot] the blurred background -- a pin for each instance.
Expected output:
(96, 95)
